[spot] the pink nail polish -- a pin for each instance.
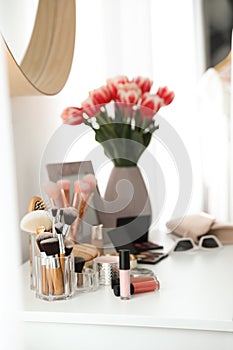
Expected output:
(124, 274)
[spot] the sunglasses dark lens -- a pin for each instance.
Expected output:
(183, 245)
(209, 243)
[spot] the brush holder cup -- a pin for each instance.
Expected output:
(86, 281)
(54, 277)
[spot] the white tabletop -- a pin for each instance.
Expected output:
(196, 293)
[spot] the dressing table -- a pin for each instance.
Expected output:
(192, 310)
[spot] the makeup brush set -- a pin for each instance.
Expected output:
(53, 228)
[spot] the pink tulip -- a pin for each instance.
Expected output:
(72, 116)
(128, 93)
(143, 83)
(165, 95)
(113, 84)
(90, 108)
(101, 95)
(150, 104)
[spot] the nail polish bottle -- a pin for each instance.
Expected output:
(124, 274)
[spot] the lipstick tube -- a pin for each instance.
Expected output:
(124, 274)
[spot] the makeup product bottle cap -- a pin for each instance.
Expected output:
(124, 259)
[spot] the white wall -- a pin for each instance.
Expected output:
(99, 54)
(10, 291)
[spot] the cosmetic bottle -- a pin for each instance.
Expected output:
(124, 274)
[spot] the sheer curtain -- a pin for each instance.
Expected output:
(153, 38)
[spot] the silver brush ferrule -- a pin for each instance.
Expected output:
(54, 262)
(61, 243)
(43, 258)
(66, 230)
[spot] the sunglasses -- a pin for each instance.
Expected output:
(206, 242)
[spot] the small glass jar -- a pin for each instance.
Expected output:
(86, 281)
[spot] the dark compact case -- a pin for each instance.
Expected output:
(132, 233)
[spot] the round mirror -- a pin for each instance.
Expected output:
(39, 38)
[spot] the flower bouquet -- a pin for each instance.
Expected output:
(122, 115)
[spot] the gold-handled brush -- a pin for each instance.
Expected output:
(51, 248)
(47, 286)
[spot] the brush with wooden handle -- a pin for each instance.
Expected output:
(83, 206)
(69, 216)
(68, 247)
(76, 196)
(47, 286)
(30, 223)
(51, 248)
(54, 194)
(64, 186)
(32, 220)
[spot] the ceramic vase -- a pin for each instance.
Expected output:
(126, 196)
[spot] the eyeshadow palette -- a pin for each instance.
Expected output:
(132, 234)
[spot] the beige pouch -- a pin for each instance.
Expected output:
(223, 231)
(193, 226)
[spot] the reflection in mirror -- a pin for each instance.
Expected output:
(17, 30)
(48, 35)
(74, 171)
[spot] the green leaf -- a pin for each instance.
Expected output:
(118, 114)
(147, 138)
(143, 124)
(137, 118)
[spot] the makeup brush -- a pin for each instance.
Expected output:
(68, 247)
(79, 262)
(47, 286)
(34, 219)
(76, 196)
(64, 186)
(40, 229)
(70, 215)
(84, 205)
(90, 180)
(51, 248)
(53, 192)
(36, 203)
(60, 215)
(62, 253)
(53, 212)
